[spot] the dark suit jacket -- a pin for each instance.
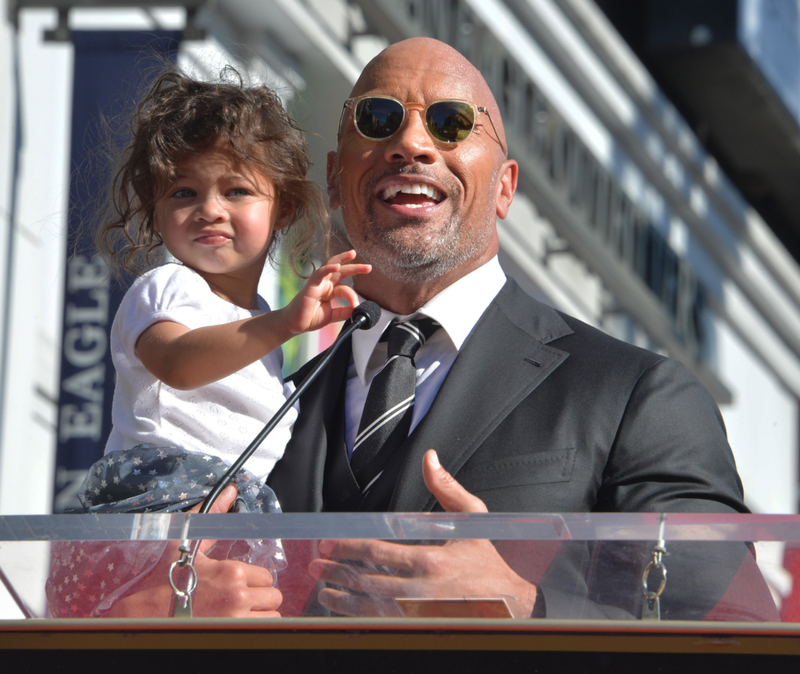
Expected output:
(539, 413)
(543, 413)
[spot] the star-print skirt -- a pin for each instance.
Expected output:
(86, 578)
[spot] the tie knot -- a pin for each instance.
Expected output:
(405, 337)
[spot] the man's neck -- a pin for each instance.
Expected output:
(406, 297)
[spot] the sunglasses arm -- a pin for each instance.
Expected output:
(494, 128)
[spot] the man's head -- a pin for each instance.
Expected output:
(421, 210)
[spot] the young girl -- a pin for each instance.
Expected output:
(214, 173)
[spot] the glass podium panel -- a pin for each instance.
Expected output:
(649, 568)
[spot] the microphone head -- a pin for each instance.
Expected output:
(367, 314)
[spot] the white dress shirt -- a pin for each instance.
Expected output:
(457, 308)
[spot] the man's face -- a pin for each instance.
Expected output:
(414, 207)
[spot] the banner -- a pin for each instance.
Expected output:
(111, 69)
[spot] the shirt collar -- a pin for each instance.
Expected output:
(457, 308)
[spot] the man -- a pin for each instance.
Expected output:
(529, 409)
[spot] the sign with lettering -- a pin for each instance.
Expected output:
(109, 68)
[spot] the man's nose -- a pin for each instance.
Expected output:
(412, 143)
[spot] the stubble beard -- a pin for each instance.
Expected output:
(410, 252)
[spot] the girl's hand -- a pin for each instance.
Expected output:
(312, 308)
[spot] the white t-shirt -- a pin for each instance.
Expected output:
(221, 418)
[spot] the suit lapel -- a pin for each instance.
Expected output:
(503, 360)
(297, 478)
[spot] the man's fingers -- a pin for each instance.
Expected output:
(264, 599)
(234, 573)
(235, 589)
(224, 501)
(359, 579)
(238, 602)
(374, 552)
(223, 504)
(345, 603)
(245, 599)
(450, 494)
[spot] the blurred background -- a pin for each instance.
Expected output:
(659, 199)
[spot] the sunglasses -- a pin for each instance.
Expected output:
(381, 117)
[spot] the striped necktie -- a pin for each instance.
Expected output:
(386, 418)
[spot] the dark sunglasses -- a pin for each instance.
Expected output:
(448, 121)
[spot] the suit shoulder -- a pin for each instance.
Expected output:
(562, 331)
(606, 363)
(586, 338)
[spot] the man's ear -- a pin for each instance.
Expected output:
(332, 170)
(506, 186)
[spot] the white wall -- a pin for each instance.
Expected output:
(762, 428)
(26, 443)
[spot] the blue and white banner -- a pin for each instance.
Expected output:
(110, 70)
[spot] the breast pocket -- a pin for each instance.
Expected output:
(517, 471)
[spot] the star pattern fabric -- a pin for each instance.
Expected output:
(148, 478)
(86, 578)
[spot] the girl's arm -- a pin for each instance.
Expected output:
(187, 359)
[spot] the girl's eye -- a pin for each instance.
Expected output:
(183, 193)
(238, 192)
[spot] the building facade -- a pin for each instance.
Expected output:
(622, 219)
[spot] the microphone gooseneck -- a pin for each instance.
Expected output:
(364, 317)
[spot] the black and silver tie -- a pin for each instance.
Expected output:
(389, 407)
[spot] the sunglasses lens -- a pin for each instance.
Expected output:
(378, 118)
(450, 121)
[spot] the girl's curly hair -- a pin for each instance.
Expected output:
(179, 117)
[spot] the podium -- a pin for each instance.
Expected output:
(618, 591)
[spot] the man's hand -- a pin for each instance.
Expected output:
(225, 588)
(457, 569)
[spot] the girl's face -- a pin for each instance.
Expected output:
(218, 216)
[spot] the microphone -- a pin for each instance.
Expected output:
(364, 317)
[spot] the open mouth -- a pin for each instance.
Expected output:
(412, 195)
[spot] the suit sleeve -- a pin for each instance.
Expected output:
(671, 453)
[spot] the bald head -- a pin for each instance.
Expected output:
(458, 77)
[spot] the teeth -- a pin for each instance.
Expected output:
(412, 188)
